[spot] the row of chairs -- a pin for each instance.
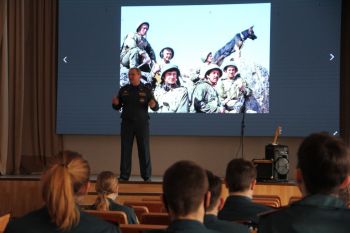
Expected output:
(153, 212)
(121, 218)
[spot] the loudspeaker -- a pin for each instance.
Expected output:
(276, 151)
(279, 155)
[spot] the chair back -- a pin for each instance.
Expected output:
(4, 220)
(293, 199)
(140, 210)
(139, 228)
(110, 215)
(153, 206)
(155, 219)
(268, 200)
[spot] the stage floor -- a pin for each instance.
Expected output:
(133, 179)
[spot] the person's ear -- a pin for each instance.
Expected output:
(221, 203)
(252, 184)
(298, 176)
(165, 203)
(207, 198)
(84, 188)
(345, 182)
(226, 184)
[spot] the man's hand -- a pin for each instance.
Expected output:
(152, 103)
(115, 100)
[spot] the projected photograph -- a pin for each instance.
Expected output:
(200, 58)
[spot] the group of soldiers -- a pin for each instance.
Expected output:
(211, 89)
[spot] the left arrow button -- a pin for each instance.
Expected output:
(65, 60)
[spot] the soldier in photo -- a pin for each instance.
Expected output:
(205, 98)
(171, 96)
(234, 91)
(166, 54)
(136, 51)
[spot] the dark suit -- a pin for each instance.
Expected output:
(185, 226)
(238, 208)
(212, 222)
(40, 221)
(134, 103)
(316, 213)
(130, 213)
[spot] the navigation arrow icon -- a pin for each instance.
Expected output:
(331, 57)
(65, 60)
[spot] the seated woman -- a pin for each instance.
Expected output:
(107, 190)
(63, 183)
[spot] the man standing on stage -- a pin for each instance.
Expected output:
(134, 99)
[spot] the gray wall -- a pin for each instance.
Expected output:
(213, 153)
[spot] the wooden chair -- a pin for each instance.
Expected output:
(139, 228)
(153, 206)
(110, 216)
(157, 198)
(268, 200)
(293, 199)
(4, 220)
(155, 219)
(140, 210)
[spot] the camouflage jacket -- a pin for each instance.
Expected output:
(172, 100)
(205, 98)
(133, 40)
(232, 89)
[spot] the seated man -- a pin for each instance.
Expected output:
(185, 188)
(211, 220)
(323, 168)
(240, 180)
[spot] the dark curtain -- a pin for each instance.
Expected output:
(31, 89)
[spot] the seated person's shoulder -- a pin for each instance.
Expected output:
(90, 223)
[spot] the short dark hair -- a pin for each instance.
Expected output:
(138, 71)
(184, 187)
(239, 175)
(324, 163)
(214, 188)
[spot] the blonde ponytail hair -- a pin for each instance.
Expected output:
(106, 183)
(61, 184)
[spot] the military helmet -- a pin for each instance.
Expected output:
(210, 68)
(168, 67)
(161, 53)
(205, 56)
(227, 64)
(139, 26)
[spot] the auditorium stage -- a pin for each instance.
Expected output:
(21, 194)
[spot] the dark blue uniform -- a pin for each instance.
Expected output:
(113, 206)
(316, 213)
(241, 208)
(212, 222)
(134, 103)
(40, 221)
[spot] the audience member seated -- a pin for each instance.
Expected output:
(322, 170)
(216, 202)
(344, 195)
(63, 183)
(240, 180)
(107, 190)
(185, 188)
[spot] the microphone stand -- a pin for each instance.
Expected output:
(243, 111)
